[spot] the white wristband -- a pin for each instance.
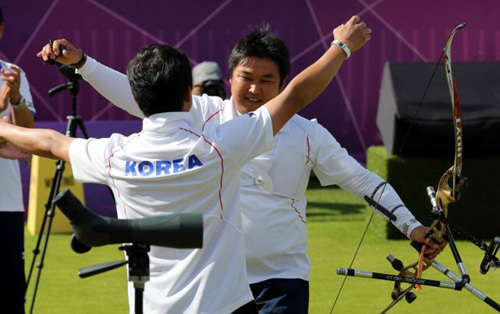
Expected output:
(343, 46)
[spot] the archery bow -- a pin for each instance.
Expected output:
(414, 270)
(445, 194)
(440, 229)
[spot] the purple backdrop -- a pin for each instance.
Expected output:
(113, 31)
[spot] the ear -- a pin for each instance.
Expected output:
(188, 100)
(1, 31)
(187, 95)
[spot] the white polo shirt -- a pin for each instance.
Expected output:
(171, 167)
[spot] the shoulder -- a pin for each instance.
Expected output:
(316, 132)
(99, 146)
(208, 104)
(116, 142)
(209, 108)
(208, 101)
(300, 123)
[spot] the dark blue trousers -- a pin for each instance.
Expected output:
(12, 277)
(281, 296)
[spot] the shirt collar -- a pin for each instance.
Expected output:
(167, 121)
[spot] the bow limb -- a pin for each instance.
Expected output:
(457, 112)
(447, 194)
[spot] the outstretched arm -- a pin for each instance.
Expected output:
(41, 142)
(311, 82)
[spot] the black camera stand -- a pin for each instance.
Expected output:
(74, 121)
(138, 270)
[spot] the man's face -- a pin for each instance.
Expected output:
(254, 82)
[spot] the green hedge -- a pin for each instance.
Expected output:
(478, 209)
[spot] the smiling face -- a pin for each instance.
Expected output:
(254, 82)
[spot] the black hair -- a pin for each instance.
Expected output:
(262, 43)
(1, 16)
(160, 76)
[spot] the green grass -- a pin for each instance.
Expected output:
(332, 245)
(60, 288)
(321, 206)
(333, 240)
(336, 223)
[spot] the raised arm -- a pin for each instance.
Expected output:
(311, 82)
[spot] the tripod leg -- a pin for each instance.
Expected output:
(50, 213)
(56, 184)
(73, 122)
(80, 123)
(36, 250)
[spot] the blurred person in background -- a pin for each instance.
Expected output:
(207, 79)
(16, 104)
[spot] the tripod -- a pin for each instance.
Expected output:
(171, 230)
(138, 270)
(74, 121)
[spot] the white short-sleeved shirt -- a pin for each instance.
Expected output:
(171, 167)
(11, 192)
(274, 184)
